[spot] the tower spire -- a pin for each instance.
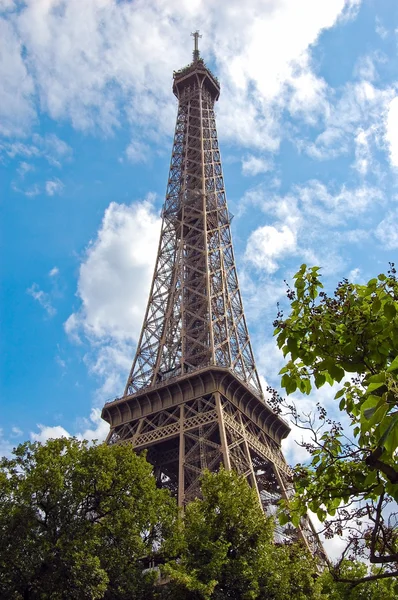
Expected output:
(196, 35)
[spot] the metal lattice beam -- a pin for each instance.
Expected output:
(195, 315)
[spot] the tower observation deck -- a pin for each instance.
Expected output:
(193, 397)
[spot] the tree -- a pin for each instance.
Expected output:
(349, 340)
(227, 550)
(77, 520)
(378, 589)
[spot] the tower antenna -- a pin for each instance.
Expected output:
(196, 35)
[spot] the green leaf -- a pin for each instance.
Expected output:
(280, 340)
(389, 439)
(292, 347)
(389, 310)
(370, 479)
(319, 379)
(379, 414)
(369, 412)
(394, 365)
(321, 514)
(391, 443)
(329, 378)
(370, 402)
(379, 489)
(336, 372)
(376, 306)
(377, 378)
(375, 386)
(291, 386)
(340, 393)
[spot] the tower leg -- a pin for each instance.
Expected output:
(181, 461)
(223, 436)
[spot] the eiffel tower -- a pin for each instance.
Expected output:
(193, 399)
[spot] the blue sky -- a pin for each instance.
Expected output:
(308, 129)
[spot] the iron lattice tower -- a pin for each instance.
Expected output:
(193, 398)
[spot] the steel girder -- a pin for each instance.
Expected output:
(195, 314)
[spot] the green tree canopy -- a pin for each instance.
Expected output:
(349, 339)
(80, 522)
(77, 520)
(227, 550)
(378, 589)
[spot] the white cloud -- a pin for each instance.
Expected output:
(9, 440)
(359, 107)
(308, 93)
(328, 144)
(381, 30)
(7, 5)
(363, 157)
(268, 243)
(334, 208)
(95, 64)
(361, 153)
(354, 275)
(31, 192)
(24, 168)
(292, 445)
(387, 231)
(391, 134)
(270, 359)
(53, 187)
(315, 201)
(93, 428)
(116, 272)
(46, 433)
(42, 298)
(312, 223)
(17, 87)
(49, 146)
(365, 68)
(60, 362)
(5, 445)
(261, 292)
(54, 271)
(253, 165)
(111, 363)
(16, 432)
(113, 287)
(307, 405)
(137, 152)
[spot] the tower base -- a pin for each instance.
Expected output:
(202, 420)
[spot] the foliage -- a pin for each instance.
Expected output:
(227, 550)
(378, 589)
(349, 340)
(76, 521)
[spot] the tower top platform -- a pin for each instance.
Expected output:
(195, 72)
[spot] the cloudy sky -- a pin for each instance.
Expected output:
(308, 128)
